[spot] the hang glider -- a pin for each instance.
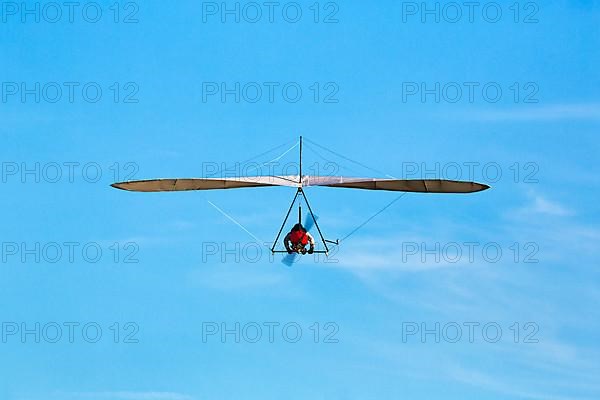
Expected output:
(300, 182)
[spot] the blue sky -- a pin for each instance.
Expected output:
(195, 270)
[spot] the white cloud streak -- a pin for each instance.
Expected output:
(582, 111)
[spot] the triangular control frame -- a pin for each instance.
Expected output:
(300, 193)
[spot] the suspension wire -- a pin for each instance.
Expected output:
(268, 151)
(277, 158)
(234, 221)
(373, 216)
(308, 146)
(229, 217)
(349, 159)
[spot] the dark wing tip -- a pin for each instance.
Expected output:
(118, 185)
(482, 187)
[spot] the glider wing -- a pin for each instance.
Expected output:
(397, 185)
(177, 185)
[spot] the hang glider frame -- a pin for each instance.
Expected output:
(300, 193)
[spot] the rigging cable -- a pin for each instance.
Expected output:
(373, 216)
(349, 159)
(308, 146)
(276, 158)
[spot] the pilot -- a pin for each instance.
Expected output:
(297, 239)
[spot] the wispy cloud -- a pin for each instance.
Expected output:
(130, 395)
(485, 381)
(544, 206)
(396, 254)
(149, 396)
(581, 111)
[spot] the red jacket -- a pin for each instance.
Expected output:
(299, 236)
